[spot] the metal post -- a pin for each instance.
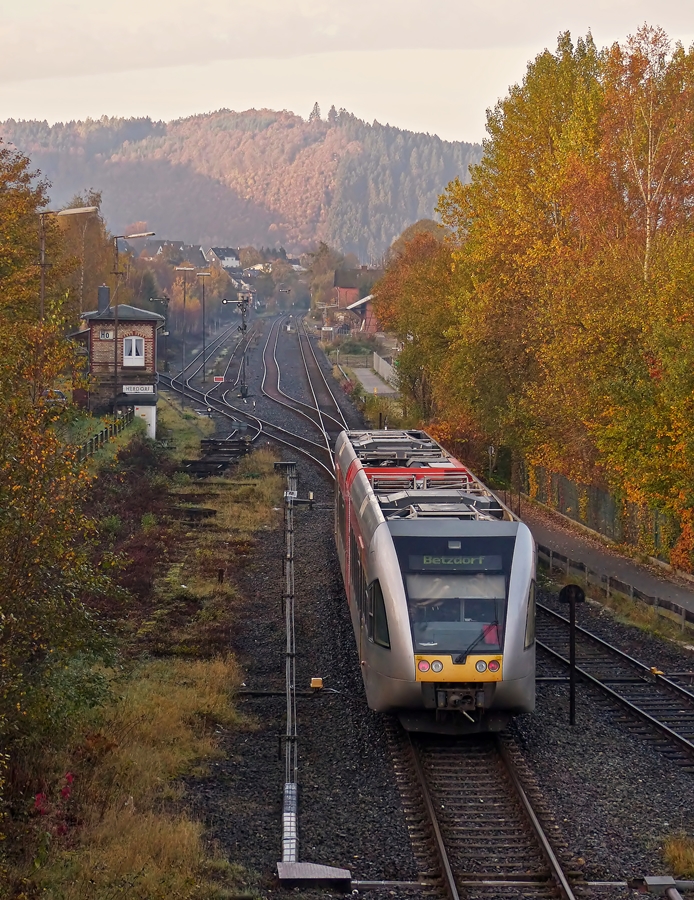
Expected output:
(572, 657)
(183, 345)
(244, 327)
(203, 275)
(166, 333)
(116, 274)
(185, 270)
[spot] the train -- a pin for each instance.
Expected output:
(440, 581)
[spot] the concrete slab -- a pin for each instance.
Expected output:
(374, 384)
(305, 874)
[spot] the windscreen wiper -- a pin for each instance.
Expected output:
(461, 659)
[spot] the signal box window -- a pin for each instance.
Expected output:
(133, 351)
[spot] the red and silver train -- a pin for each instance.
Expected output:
(440, 581)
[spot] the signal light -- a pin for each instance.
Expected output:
(494, 665)
(423, 665)
(481, 666)
(437, 666)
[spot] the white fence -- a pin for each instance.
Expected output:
(385, 370)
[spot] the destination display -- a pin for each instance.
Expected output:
(456, 563)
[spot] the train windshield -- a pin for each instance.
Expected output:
(457, 590)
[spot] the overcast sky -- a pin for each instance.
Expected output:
(427, 65)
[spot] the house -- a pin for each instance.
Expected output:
(122, 351)
(174, 252)
(364, 310)
(350, 284)
(226, 257)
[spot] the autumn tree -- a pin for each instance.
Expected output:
(413, 301)
(45, 569)
(86, 240)
(573, 307)
(321, 272)
(22, 197)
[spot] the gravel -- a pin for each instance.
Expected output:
(350, 813)
(614, 796)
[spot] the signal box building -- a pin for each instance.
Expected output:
(123, 360)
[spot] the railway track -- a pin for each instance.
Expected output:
(332, 421)
(223, 406)
(464, 800)
(657, 705)
(324, 413)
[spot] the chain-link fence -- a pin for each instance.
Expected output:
(652, 531)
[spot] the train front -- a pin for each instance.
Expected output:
(462, 609)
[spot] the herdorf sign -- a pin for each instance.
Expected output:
(138, 388)
(219, 379)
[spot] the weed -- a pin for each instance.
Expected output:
(679, 854)
(627, 611)
(148, 522)
(176, 423)
(163, 722)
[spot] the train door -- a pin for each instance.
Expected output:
(358, 594)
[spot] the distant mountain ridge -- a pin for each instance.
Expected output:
(256, 177)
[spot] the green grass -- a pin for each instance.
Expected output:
(181, 428)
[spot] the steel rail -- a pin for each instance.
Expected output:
(655, 677)
(341, 422)
(442, 853)
(628, 704)
(262, 426)
(224, 407)
(321, 421)
(291, 403)
(555, 874)
(209, 350)
(545, 845)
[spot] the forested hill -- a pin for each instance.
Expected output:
(255, 177)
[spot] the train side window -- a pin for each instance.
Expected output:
(376, 620)
(530, 621)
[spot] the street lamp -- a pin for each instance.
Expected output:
(203, 275)
(117, 274)
(185, 270)
(78, 210)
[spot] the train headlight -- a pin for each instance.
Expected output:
(481, 666)
(423, 665)
(494, 665)
(437, 666)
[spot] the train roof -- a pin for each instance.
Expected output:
(406, 475)
(398, 448)
(449, 504)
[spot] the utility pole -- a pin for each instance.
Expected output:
(185, 270)
(203, 275)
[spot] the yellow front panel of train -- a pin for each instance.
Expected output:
(442, 668)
